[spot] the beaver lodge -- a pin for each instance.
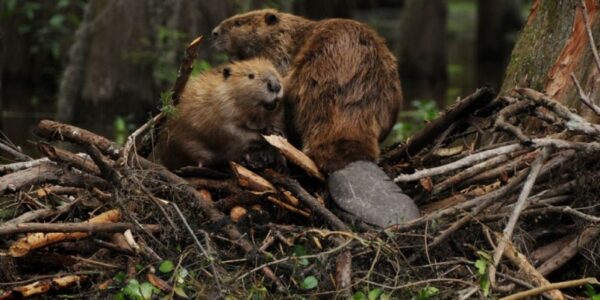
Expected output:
(507, 186)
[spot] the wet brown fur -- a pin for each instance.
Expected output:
(221, 115)
(342, 86)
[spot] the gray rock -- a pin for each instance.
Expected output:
(364, 190)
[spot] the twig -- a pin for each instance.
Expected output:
(20, 156)
(478, 99)
(210, 259)
(310, 201)
(512, 221)
(519, 260)
(512, 110)
(585, 98)
(569, 251)
(185, 69)
(477, 157)
(574, 122)
(586, 20)
(40, 213)
(70, 227)
(553, 286)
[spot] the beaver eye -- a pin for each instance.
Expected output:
(251, 75)
(237, 23)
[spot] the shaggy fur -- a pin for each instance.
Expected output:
(222, 113)
(342, 86)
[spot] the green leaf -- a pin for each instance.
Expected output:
(132, 290)
(119, 296)
(375, 293)
(481, 265)
(56, 21)
(147, 289)
(166, 266)
(359, 296)
(596, 297)
(485, 285)
(120, 277)
(427, 292)
(385, 297)
(309, 283)
(180, 292)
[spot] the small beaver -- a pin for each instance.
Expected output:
(342, 86)
(221, 115)
(342, 98)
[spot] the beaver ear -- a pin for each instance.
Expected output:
(271, 19)
(226, 72)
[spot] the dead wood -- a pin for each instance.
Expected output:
(48, 173)
(478, 99)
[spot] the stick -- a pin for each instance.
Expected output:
(569, 251)
(553, 286)
(591, 147)
(18, 155)
(70, 227)
(308, 200)
(519, 260)
(63, 132)
(480, 98)
(81, 162)
(586, 20)
(583, 97)
(49, 173)
(514, 217)
(185, 69)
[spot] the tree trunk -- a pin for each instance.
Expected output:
(423, 54)
(497, 23)
(554, 44)
(126, 53)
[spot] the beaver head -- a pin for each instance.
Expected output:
(255, 89)
(261, 33)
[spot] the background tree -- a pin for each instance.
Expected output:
(423, 52)
(553, 45)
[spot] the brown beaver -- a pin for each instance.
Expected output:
(342, 86)
(221, 115)
(342, 98)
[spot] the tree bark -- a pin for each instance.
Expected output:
(423, 54)
(553, 44)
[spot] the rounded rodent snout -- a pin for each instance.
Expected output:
(273, 86)
(215, 32)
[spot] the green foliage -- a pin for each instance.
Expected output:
(427, 293)
(591, 292)
(167, 107)
(47, 26)
(166, 266)
(120, 129)
(309, 283)
(258, 292)
(482, 265)
(374, 294)
(299, 250)
(412, 120)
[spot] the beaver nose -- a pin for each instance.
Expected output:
(274, 86)
(215, 33)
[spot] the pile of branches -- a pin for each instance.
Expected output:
(507, 188)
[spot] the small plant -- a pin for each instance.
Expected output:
(411, 121)
(482, 265)
(591, 292)
(167, 107)
(427, 293)
(309, 283)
